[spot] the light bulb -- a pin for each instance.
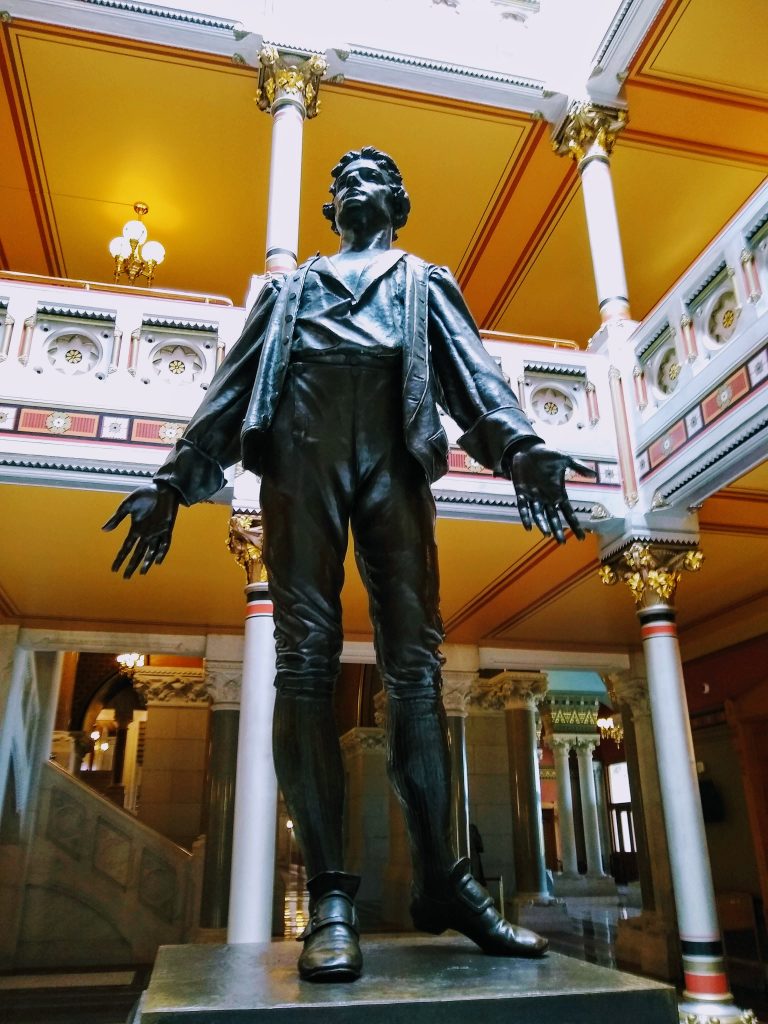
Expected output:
(134, 231)
(153, 252)
(120, 247)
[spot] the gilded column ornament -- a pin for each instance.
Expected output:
(246, 541)
(283, 77)
(652, 571)
(586, 125)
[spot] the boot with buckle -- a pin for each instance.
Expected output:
(331, 939)
(464, 905)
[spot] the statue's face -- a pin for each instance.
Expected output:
(363, 196)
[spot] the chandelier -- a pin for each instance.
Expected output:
(134, 256)
(611, 728)
(129, 662)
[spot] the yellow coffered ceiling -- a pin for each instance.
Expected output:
(90, 124)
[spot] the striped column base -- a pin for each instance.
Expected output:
(257, 601)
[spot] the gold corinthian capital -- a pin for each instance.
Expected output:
(285, 76)
(586, 124)
(651, 571)
(246, 542)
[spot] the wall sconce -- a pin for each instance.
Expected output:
(134, 256)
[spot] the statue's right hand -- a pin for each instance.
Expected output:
(152, 509)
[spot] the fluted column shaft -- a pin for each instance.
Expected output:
(652, 572)
(223, 682)
(584, 748)
(288, 90)
(588, 133)
(561, 748)
(255, 814)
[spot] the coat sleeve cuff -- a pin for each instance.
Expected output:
(497, 433)
(192, 472)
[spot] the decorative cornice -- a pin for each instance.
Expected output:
(223, 681)
(166, 13)
(170, 686)
(246, 541)
(651, 571)
(168, 323)
(282, 77)
(509, 691)
(444, 67)
(457, 689)
(361, 740)
(560, 369)
(45, 309)
(571, 715)
(586, 125)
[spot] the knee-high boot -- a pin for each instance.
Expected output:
(310, 773)
(445, 895)
(419, 767)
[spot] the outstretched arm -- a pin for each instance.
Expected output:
(152, 509)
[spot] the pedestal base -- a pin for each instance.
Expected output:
(443, 980)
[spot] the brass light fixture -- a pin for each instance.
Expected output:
(611, 728)
(134, 256)
(129, 662)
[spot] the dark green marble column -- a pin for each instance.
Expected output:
(223, 682)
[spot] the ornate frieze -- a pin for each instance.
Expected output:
(223, 681)
(585, 125)
(285, 77)
(246, 542)
(570, 715)
(171, 685)
(509, 690)
(651, 571)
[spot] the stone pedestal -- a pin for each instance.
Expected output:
(430, 980)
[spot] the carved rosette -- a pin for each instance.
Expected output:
(246, 542)
(457, 690)
(651, 571)
(587, 125)
(283, 77)
(170, 685)
(508, 691)
(223, 681)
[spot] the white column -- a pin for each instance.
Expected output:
(288, 90)
(653, 571)
(253, 838)
(561, 748)
(584, 747)
(588, 133)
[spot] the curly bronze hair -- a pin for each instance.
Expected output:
(401, 204)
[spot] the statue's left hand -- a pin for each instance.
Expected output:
(538, 474)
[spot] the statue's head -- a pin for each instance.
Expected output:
(400, 204)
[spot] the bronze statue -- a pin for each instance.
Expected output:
(331, 395)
